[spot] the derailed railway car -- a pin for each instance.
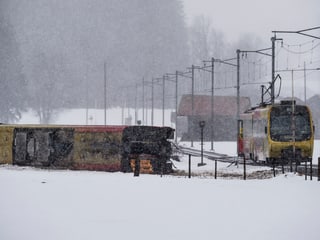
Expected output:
(61, 146)
(99, 148)
(277, 134)
(147, 148)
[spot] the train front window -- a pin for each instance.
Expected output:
(288, 126)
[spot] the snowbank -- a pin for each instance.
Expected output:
(42, 204)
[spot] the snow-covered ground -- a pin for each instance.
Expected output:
(114, 116)
(46, 204)
(62, 205)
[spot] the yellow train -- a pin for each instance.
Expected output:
(103, 148)
(276, 133)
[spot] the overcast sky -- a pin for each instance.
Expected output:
(235, 17)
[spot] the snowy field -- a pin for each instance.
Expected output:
(45, 204)
(39, 204)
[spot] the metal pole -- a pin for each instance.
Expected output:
(176, 108)
(135, 106)
(238, 84)
(152, 102)
(238, 93)
(143, 123)
(212, 101)
(189, 175)
(215, 169)
(192, 105)
(136, 172)
(318, 168)
(87, 100)
(201, 124)
(305, 82)
(146, 109)
(122, 109)
(273, 39)
(293, 125)
(201, 164)
(105, 93)
(244, 169)
(274, 169)
(305, 171)
(311, 172)
(163, 85)
(262, 92)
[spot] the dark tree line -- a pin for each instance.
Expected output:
(63, 46)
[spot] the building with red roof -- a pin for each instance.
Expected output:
(224, 116)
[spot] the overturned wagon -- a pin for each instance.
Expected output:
(61, 146)
(72, 147)
(146, 148)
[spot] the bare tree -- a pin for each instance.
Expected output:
(138, 38)
(12, 82)
(48, 86)
(200, 37)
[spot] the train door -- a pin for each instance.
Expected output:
(32, 147)
(247, 135)
(42, 147)
(20, 148)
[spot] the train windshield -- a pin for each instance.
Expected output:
(290, 124)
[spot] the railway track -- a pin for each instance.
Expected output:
(214, 156)
(211, 155)
(197, 152)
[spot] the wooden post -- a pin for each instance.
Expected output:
(189, 175)
(318, 168)
(244, 169)
(137, 167)
(215, 169)
(274, 170)
(305, 171)
(311, 170)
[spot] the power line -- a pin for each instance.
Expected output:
(300, 52)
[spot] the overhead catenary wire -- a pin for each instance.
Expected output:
(287, 48)
(253, 70)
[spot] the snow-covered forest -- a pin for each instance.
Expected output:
(61, 54)
(59, 48)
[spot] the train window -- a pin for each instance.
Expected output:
(247, 127)
(302, 127)
(259, 127)
(20, 147)
(286, 125)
